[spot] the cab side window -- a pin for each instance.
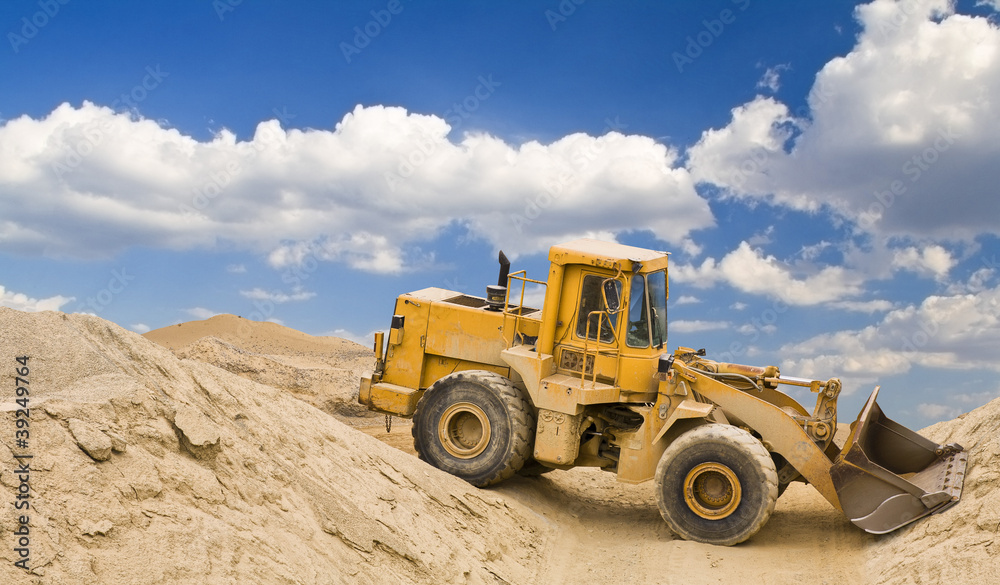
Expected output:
(637, 334)
(591, 300)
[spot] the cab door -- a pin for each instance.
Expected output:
(587, 341)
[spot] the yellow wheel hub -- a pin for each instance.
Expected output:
(464, 430)
(712, 490)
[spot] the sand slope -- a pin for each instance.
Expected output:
(202, 476)
(211, 477)
(962, 544)
(323, 371)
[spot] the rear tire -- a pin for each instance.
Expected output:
(475, 425)
(716, 484)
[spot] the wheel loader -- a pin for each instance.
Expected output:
(496, 388)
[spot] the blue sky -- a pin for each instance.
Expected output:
(823, 173)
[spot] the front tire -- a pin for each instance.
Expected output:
(475, 425)
(716, 484)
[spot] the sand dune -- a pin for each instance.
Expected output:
(323, 371)
(151, 469)
(179, 466)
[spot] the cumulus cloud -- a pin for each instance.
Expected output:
(932, 261)
(139, 327)
(683, 326)
(751, 271)
(959, 331)
(892, 129)
(259, 294)
(687, 300)
(201, 312)
(23, 302)
(87, 181)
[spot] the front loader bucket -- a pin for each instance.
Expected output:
(888, 476)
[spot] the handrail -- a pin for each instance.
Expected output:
(520, 275)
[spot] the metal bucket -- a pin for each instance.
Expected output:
(887, 476)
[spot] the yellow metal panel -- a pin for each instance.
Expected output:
(686, 409)
(568, 394)
(638, 373)
(606, 255)
(393, 399)
(365, 391)
(557, 437)
(405, 361)
(531, 366)
(465, 333)
(639, 453)
(437, 367)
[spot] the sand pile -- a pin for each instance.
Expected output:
(323, 371)
(150, 469)
(962, 544)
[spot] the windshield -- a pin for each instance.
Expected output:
(656, 285)
(648, 298)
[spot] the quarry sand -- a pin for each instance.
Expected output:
(219, 454)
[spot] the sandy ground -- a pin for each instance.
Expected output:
(235, 437)
(611, 532)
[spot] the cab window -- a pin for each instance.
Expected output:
(637, 334)
(592, 300)
(656, 294)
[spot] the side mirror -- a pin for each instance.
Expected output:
(612, 295)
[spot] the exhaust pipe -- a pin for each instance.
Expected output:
(504, 270)
(496, 296)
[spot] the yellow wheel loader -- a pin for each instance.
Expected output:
(496, 388)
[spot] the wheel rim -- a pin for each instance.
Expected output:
(712, 491)
(464, 430)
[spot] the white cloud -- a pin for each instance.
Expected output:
(86, 181)
(932, 260)
(958, 332)
(771, 80)
(873, 306)
(697, 325)
(937, 411)
(23, 302)
(978, 281)
(687, 300)
(201, 313)
(236, 269)
(749, 270)
(366, 340)
(139, 327)
(738, 306)
(259, 294)
(899, 134)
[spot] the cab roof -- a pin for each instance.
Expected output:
(606, 254)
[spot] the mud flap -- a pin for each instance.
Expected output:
(888, 476)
